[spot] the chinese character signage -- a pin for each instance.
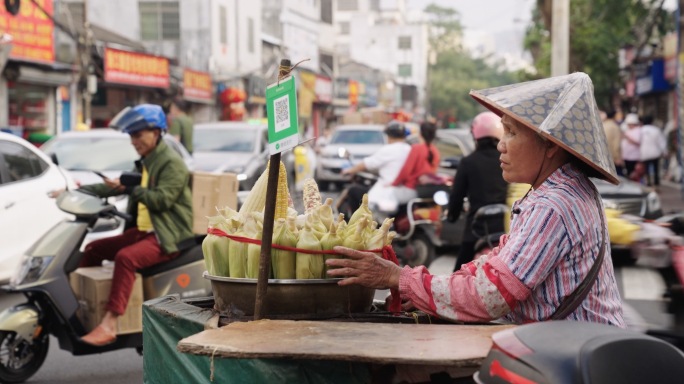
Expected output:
(197, 86)
(124, 67)
(31, 31)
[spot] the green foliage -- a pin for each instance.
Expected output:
(598, 29)
(455, 72)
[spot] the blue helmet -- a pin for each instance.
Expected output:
(143, 116)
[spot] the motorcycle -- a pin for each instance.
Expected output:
(52, 306)
(579, 352)
(418, 223)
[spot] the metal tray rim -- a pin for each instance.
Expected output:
(334, 281)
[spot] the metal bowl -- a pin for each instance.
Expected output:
(290, 297)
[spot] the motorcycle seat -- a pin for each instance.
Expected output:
(186, 256)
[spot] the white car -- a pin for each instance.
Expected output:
(106, 151)
(27, 175)
(348, 146)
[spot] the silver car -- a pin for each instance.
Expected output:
(237, 147)
(355, 141)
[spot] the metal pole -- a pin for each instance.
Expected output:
(269, 217)
(85, 65)
(560, 37)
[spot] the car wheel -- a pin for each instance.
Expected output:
(323, 186)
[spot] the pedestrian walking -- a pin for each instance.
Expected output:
(652, 148)
(631, 143)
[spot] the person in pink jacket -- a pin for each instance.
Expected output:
(558, 239)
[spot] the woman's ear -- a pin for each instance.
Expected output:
(551, 149)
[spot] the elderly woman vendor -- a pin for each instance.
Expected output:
(555, 262)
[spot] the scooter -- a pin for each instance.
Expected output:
(52, 307)
(566, 352)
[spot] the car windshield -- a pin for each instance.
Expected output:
(224, 140)
(357, 137)
(93, 153)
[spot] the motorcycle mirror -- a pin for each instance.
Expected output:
(130, 179)
(441, 198)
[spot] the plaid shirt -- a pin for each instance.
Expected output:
(551, 247)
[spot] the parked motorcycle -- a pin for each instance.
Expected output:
(579, 353)
(51, 307)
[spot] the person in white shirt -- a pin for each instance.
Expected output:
(387, 162)
(652, 148)
(631, 143)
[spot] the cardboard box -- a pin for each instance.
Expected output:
(92, 285)
(211, 191)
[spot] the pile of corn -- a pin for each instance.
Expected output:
(317, 229)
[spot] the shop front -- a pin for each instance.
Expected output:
(256, 97)
(198, 90)
(654, 91)
(31, 103)
(130, 78)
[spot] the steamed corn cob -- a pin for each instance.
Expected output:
(311, 194)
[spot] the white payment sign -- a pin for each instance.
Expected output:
(281, 108)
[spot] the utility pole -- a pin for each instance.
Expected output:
(88, 81)
(560, 37)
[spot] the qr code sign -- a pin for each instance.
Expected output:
(282, 113)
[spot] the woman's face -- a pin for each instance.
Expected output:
(522, 152)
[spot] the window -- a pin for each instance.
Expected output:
(327, 11)
(159, 21)
(20, 162)
(404, 42)
(347, 5)
(250, 35)
(344, 28)
(223, 24)
(405, 70)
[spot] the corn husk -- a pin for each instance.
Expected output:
(330, 241)
(342, 226)
(355, 241)
(317, 226)
(390, 236)
(292, 225)
(283, 263)
(254, 254)
(237, 251)
(362, 211)
(215, 248)
(379, 237)
(325, 213)
(309, 266)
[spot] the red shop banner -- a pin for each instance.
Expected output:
(197, 86)
(124, 67)
(31, 31)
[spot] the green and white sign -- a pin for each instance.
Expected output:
(281, 108)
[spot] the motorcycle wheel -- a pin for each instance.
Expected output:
(19, 358)
(419, 251)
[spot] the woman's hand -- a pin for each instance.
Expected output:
(364, 268)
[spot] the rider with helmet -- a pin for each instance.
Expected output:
(387, 161)
(479, 178)
(161, 206)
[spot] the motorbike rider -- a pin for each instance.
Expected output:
(479, 178)
(161, 205)
(387, 161)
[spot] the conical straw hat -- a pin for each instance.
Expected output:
(562, 109)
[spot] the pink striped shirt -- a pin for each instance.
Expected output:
(551, 247)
